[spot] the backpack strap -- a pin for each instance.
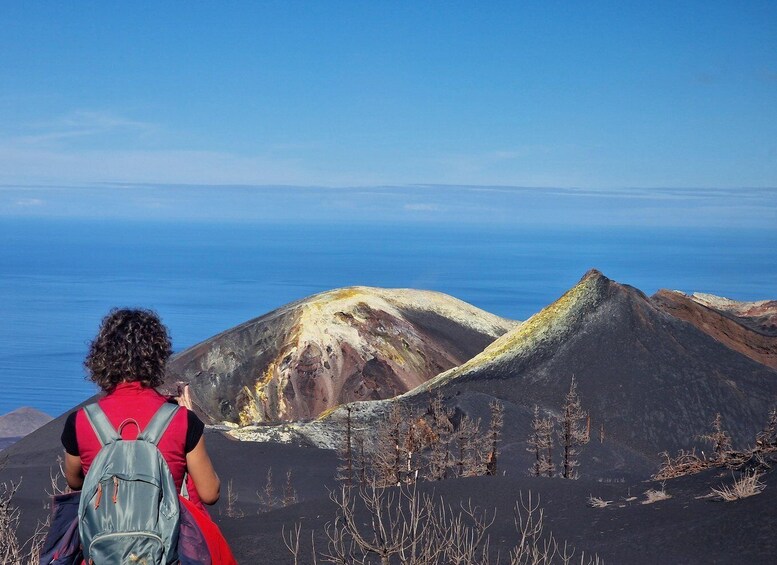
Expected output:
(159, 422)
(184, 488)
(102, 427)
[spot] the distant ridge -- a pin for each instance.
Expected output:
(727, 322)
(760, 316)
(21, 422)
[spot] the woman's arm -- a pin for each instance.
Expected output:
(74, 473)
(200, 469)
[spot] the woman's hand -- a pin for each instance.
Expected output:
(184, 397)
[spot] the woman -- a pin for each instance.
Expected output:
(127, 360)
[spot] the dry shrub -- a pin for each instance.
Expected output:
(267, 497)
(748, 484)
(688, 463)
(13, 550)
(289, 492)
(685, 463)
(399, 525)
(653, 495)
(232, 509)
(597, 502)
(57, 479)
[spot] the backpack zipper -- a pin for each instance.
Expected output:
(99, 495)
(125, 534)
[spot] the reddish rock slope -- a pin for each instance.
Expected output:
(741, 326)
(339, 346)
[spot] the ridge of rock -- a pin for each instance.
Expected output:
(540, 331)
(759, 315)
(714, 316)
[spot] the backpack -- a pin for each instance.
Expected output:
(129, 510)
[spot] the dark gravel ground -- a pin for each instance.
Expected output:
(682, 529)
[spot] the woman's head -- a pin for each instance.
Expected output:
(131, 346)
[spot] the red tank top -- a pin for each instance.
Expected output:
(133, 400)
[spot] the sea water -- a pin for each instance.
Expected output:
(58, 278)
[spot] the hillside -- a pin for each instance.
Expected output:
(744, 327)
(652, 380)
(339, 346)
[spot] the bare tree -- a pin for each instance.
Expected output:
(345, 453)
(495, 429)
(267, 498)
(232, 510)
(535, 443)
(719, 438)
(469, 454)
(766, 440)
(541, 445)
(413, 444)
(439, 441)
(292, 540)
(574, 431)
(389, 453)
(350, 543)
(409, 446)
(289, 493)
(360, 464)
(688, 462)
(536, 546)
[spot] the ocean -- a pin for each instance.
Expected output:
(59, 277)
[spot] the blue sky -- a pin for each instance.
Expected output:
(600, 95)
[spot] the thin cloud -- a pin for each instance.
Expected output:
(32, 164)
(80, 124)
(423, 207)
(476, 162)
(25, 202)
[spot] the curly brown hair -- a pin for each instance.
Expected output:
(132, 346)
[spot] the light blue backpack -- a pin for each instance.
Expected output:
(129, 511)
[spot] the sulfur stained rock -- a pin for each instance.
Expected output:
(339, 346)
(653, 375)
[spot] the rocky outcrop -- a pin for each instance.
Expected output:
(339, 346)
(760, 316)
(742, 326)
